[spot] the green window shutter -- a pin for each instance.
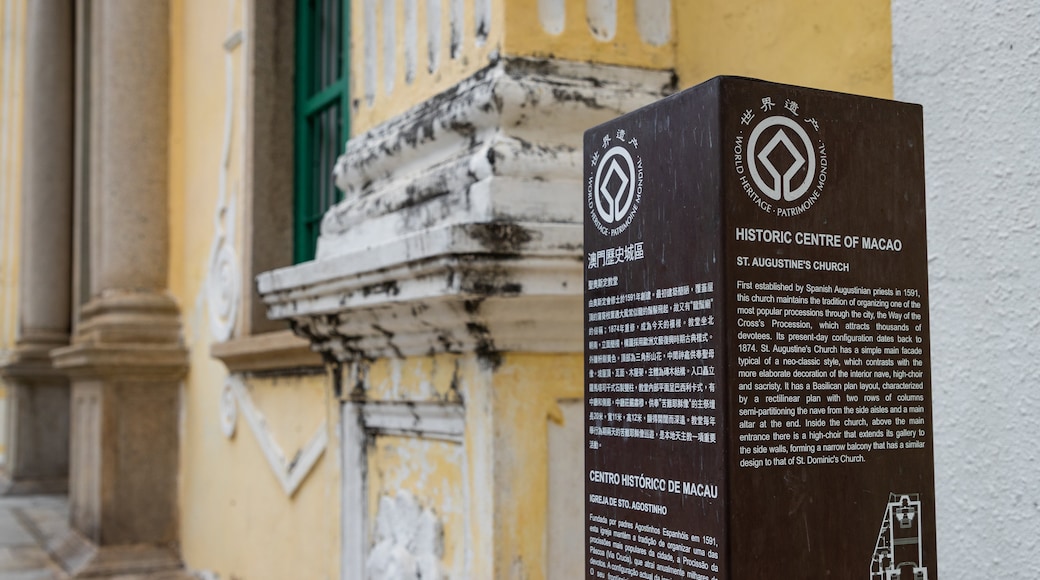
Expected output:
(322, 114)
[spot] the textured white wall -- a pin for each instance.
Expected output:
(975, 66)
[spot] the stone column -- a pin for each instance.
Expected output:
(38, 407)
(126, 360)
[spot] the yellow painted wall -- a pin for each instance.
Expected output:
(491, 492)
(526, 395)
(235, 518)
(404, 93)
(515, 30)
(12, 74)
(526, 36)
(434, 472)
(843, 46)
(427, 378)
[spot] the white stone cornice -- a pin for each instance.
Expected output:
(455, 303)
(519, 121)
(444, 421)
(461, 227)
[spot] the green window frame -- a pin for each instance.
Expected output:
(322, 114)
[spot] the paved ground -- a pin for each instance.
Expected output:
(21, 558)
(21, 555)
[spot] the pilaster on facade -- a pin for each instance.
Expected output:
(460, 230)
(126, 359)
(127, 335)
(38, 396)
(37, 435)
(126, 363)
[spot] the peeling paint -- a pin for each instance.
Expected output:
(457, 22)
(421, 379)
(601, 16)
(553, 15)
(411, 39)
(461, 206)
(409, 541)
(406, 474)
(433, 34)
(370, 42)
(654, 20)
(482, 20)
(485, 349)
(501, 237)
(389, 18)
(633, 33)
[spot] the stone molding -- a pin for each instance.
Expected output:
(443, 421)
(126, 336)
(269, 351)
(223, 280)
(461, 227)
(31, 362)
(38, 421)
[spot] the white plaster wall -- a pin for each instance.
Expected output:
(975, 66)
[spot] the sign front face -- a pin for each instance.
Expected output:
(655, 400)
(758, 391)
(827, 359)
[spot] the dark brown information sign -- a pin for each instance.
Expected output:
(758, 393)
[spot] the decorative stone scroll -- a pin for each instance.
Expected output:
(223, 281)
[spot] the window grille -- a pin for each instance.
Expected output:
(322, 114)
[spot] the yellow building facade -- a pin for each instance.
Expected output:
(405, 403)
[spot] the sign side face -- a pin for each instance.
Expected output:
(831, 466)
(654, 403)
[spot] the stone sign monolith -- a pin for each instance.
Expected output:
(758, 392)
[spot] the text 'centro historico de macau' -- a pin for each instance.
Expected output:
(757, 386)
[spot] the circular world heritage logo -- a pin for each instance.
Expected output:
(780, 158)
(615, 189)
